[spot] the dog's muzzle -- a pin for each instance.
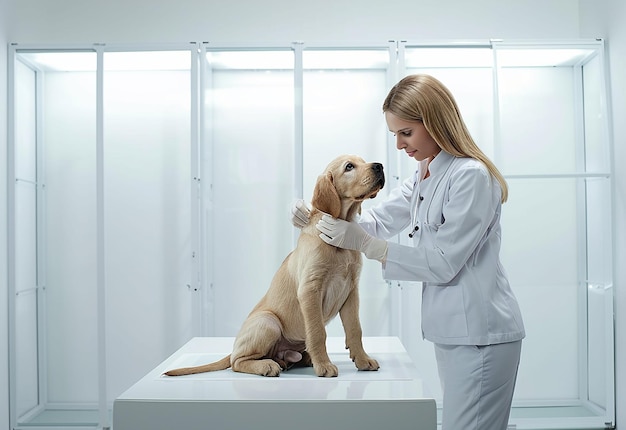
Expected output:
(379, 175)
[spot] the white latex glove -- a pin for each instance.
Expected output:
(350, 235)
(300, 213)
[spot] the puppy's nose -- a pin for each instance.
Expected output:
(377, 168)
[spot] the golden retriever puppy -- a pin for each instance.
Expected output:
(314, 283)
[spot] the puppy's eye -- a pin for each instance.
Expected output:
(349, 167)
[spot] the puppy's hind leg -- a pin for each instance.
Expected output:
(254, 344)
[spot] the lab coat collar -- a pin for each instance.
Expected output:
(440, 163)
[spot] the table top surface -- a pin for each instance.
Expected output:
(397, 379)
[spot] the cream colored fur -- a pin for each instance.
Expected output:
(314, 283)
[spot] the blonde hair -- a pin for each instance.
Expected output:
(424, 98)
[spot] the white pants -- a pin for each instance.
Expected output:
(477, 384)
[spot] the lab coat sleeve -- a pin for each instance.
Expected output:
(467, 214)
(393, 215)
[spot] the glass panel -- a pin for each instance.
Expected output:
(66, 306)
(249, 105)
(448, 57)
(598, 234)
(599, 289)
(542, 56)
(346, 60)
(597, 158)
(25, 123)
(250, 60)
(343, 94)
(537, 120)
(26, 282)
(25, 230)
(148, 61)
(540, 109)
(455, 68)
(340, 117)
(58, 61)
(598, 325)
(553, 121)
(69, 130)
(147, 102)
(540, 252)
(27, 372)
(147, 162)
(600, 351)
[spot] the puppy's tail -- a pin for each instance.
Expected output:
(222, 364)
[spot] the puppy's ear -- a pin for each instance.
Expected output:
(325, 197)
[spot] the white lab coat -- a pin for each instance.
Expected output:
(466, 296)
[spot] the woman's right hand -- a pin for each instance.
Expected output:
(300, 214)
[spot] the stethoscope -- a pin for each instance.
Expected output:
(418, 198)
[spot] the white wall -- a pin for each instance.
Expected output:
(248, 22)
(251, 22)
(4, 365)
(606, 19)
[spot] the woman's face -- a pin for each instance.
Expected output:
(412, 137)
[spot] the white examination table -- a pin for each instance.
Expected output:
(390, 398)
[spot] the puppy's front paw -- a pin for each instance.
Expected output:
(365, 362)
(326, 370)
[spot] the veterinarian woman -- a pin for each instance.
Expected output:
(450, 208)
